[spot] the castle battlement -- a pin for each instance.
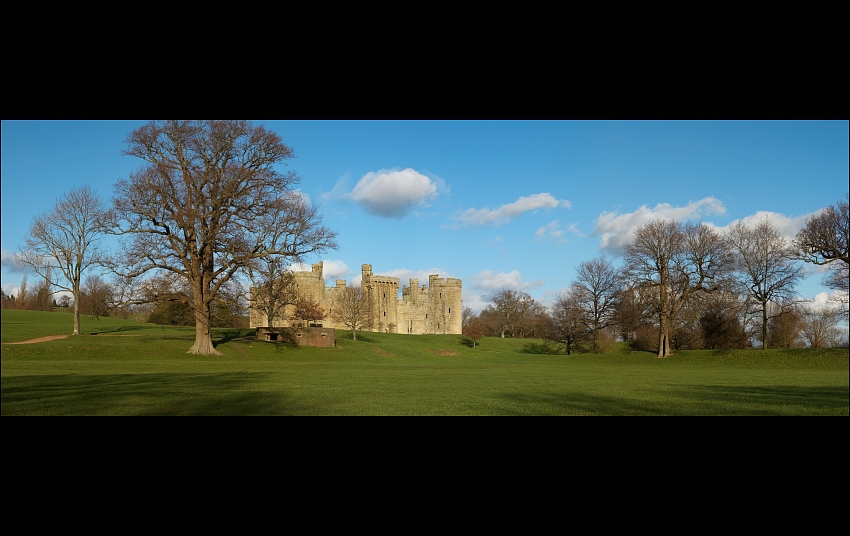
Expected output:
(432, 308)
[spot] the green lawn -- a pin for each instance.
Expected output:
(131, 368)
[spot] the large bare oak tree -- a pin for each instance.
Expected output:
(208, 201)
(672, 261)
(63, 242)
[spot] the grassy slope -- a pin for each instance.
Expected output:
(132, 368)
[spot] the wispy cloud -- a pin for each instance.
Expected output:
(504, 214)
(616, 229)
(554, 231)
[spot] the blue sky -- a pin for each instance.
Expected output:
(498, 204)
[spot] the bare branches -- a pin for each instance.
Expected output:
(595, 289)
(671, 261)
(824, 239)
(208, 203)
(764, 266)
(351, 309)
(273, 290)
(64, 242)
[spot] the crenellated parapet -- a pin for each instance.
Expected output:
(421, 309)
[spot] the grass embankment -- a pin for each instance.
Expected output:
(132, 368)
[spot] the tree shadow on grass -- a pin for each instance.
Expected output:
(120, 329)
(469, 342)
(686, 400)
(362, 336)
(545, 347)
(234, 393)
(228, 335)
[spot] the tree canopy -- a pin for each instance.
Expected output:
(207, 203)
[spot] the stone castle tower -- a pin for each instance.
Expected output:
(432, 309)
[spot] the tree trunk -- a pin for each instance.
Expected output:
(203, 339)
(664, 316)
(663, 343)
(77, 314)
(764, 326)
(354, 334)
(664, 335)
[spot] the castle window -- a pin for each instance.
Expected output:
(385, 313)
(450, 309)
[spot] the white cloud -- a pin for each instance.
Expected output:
(405, 275)
(825, 300)
(495, 281)
(11, 289)
(786, 225)
(479, 293)
(617, 229)
(474, 301)
(391, 193)
(504, 214)
(305, 198)
(7, 261)
(331, 269)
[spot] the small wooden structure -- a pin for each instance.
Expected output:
(302, 336)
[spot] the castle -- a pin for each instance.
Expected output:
(435, 308)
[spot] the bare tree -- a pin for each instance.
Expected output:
(22, 301)
(568, 327)
(515, 313)
(465, 317)
(64, 241)
(629, 313)
(352, 309)
(206, 204)
(595, 287)
(274, 289)
(721, 320)
(43, 296)
(672, 261)
(474, 329)
(96, 297)
(764, 266)
(824, 241)
(308, 310)
(7, 301)
(785, 326)
(819, 326)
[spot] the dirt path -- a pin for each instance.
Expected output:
(41, 339)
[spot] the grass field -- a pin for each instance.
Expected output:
(122, 367)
